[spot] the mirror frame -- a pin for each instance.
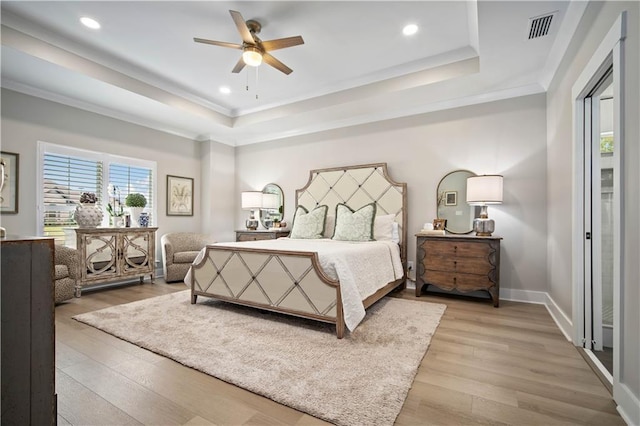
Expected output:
(268, 214)
(441, 203)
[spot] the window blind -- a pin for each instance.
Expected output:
(65, 177)
(125, 179)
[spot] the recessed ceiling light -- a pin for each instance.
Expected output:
(224, 89)
(410, 29)
(90, 23)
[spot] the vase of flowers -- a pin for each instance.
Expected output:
(114, 207)
(88, 214)
(136, 202)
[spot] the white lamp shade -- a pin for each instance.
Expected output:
(270, 201)
(251, 200)
(483, 190)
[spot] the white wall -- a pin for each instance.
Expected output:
(598, 19)
(505, 137)
(218, 196)
(27, 120)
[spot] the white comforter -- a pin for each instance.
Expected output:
(361, 267)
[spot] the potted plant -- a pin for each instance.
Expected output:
(135, 202)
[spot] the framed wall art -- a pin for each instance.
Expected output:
(179, 196)
(451, 198)
(9, 184)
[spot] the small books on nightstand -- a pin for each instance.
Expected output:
(431, 232)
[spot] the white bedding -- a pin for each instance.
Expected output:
(361, 267)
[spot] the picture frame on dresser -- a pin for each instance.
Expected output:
(179, 196)
(439, 224)
(9, 195)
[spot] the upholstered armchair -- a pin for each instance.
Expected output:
(66, 271)
(179, 250)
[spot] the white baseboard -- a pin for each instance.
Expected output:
(628, 404)
(526, 296)
(541, 297)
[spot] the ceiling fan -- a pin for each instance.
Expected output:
(254, 50)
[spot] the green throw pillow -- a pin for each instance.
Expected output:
(354, 226)
(307, 225)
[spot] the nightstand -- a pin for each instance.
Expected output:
(459, 262)
(262, 234)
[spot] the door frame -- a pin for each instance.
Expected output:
(609, 53)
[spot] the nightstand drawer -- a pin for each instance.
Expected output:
(261, 235)
(458, 281)
(466, 265)
(254, 237)
(457, 248)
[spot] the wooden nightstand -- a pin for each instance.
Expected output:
(263, 234)
(456, 262)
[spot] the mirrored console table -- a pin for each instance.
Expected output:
(108, 255)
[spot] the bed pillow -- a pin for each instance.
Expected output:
(395, 235)
(329, 225)
(354, 226)
(383, 227)
(307, 225)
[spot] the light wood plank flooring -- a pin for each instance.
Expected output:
(509, 365)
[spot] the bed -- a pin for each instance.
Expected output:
(317, 278)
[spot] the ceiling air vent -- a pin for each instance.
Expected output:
(539, 26)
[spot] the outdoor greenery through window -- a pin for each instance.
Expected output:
(68, 172)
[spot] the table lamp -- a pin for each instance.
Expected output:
(482, 191)
(252, 200)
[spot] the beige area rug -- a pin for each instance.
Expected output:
(362, 379)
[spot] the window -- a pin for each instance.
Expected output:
(67, 172)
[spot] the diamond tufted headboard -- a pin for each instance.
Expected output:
(357, 186)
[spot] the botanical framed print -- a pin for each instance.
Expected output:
(9, 186)
(451, 198)
(179, 196)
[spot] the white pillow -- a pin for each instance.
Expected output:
(354, 226)
(329, 225)
(395, 235)
(307, 225)
(383, 227)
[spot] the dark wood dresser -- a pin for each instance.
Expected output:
(265, 234)
(28, 331)
(457, 262)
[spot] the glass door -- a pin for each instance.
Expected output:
(599, 221)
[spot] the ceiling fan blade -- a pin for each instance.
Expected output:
(281, 43)
(242, 27)
(218, 43)
(239, 66)
(276, 63)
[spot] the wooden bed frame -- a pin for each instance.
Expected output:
(293, 282)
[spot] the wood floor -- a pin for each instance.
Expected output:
(509, 365)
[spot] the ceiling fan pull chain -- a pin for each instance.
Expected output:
(257, 87)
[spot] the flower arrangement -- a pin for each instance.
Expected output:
(114, 208)
(135, 200)
(88, 198)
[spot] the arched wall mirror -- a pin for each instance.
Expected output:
(452, 206)
(272, 210)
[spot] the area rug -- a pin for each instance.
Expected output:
(362, 379)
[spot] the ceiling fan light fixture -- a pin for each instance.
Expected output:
(252, 56)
